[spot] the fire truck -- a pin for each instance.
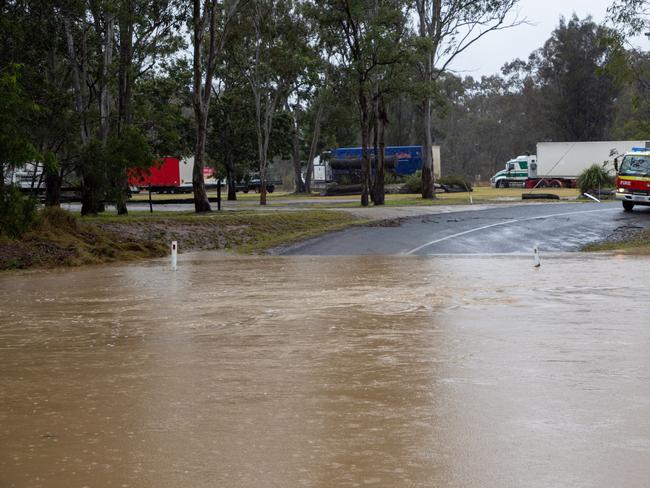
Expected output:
(633, 178)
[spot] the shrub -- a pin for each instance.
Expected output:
(595, 177)
(456, 180)
(17, 212)
(57, 218)
(413, 183)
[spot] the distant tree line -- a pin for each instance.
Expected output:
(96, 88)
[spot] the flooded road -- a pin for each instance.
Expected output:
(327, 372)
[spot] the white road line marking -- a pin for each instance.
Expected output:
(507, 222)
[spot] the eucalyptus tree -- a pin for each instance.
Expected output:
(232, 143)
(362, 36)
(211, 22)
(272, 55)
(147, 31)
(631, 17)
(448, 28)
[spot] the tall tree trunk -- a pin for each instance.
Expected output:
(229, 160)
(78, 80)
(314, 146)
(264, 160)
(201, 201)
(201, 97)
(427, 28)
(104, 92)
(365, 142)
(374, 161)
(380, 192)
(125, 88)
(232, 188)
(295, 156)
(125, 74)
(53, 179)
(428, 190)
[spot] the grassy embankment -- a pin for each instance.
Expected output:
(63, 239)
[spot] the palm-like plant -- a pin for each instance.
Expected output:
(595, 177)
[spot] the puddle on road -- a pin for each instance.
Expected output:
(321, 372)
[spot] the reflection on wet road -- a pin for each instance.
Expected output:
(322, 372)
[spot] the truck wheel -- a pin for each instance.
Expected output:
(628, 206)
(245, 190)
(502, 184)
(270, 189)
(556, 184)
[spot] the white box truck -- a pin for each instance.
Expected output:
(558, 164)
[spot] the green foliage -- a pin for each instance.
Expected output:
(94, 178)
(413, 183)
(17, 212)
(102, 167)
(55, 218)
(456, 180)
(577, 91)
(633, 130)
(629, 16)
(594, 178)
(158, 101)
(16, 109)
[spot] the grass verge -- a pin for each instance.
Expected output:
(479, 195)
(63, 239)
(633, 242)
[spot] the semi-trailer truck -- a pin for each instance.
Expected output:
(170, 175)
(558, 164)
(345, 162)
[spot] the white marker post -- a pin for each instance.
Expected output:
(174, 255)
(536, 259)
(592, 197)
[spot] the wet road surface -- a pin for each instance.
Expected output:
(512, 229)
(351, 371)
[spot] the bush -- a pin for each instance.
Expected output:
(413, 183)
(595, 177)
(57, 219)
(456, 180)
(17, 212)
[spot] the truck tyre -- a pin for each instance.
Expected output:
(270, 188)
(245, 190)
(628, 206)
(556, 184)
(502, 184)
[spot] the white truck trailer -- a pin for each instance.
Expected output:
(558, 164)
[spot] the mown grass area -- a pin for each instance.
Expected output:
(479, 195)
(63, 239)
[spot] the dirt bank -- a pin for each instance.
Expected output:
(63, 239)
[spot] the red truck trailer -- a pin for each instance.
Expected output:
(170, 175)
(163, 176)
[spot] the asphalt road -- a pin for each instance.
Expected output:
(507, 230)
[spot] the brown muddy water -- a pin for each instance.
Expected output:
(327, 372)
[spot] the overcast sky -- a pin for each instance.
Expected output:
(488, 56)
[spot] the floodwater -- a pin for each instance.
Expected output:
(327, 372)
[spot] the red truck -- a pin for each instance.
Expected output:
(170, 175)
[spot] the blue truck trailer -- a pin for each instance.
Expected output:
(407, 159)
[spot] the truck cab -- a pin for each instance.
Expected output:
(633, 178)
(516, 172)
